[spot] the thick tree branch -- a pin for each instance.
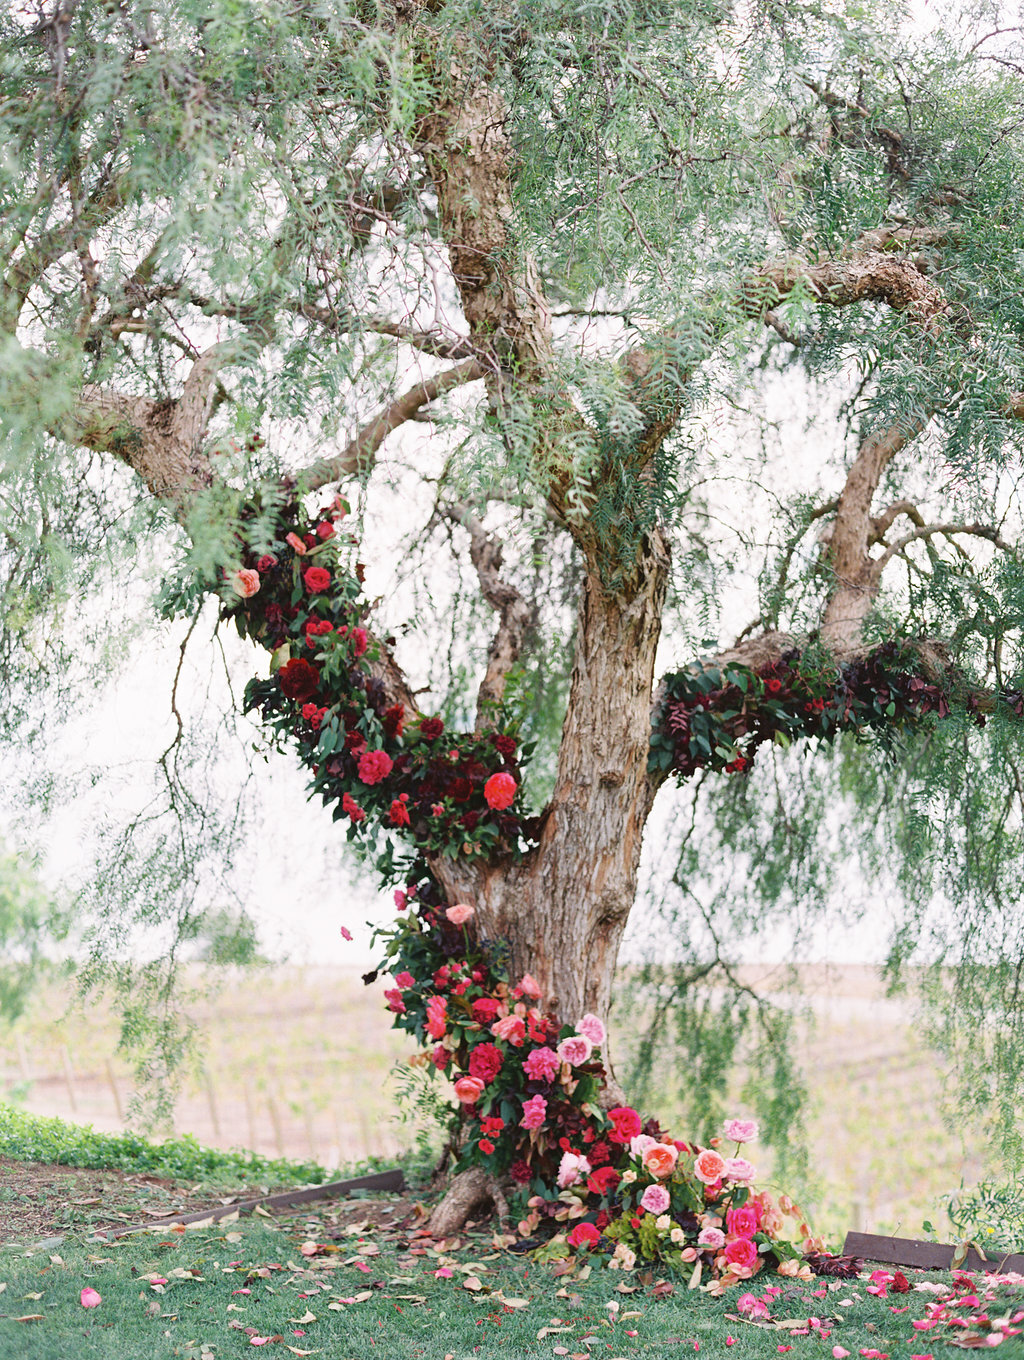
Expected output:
(359, 456)
(515, 615)
(881, 524)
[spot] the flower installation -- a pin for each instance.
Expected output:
(528, 1085)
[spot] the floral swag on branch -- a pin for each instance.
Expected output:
(528, 1085)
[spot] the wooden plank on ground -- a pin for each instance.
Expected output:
(905, 1251)
(285, 1199)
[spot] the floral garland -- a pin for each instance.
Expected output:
(716, 718)
(528, 1085)
(450, 794)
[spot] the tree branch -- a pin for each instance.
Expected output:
(881, 524)
(515, 615)
(929, 530)
(359, 456)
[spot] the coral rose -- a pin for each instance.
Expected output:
(511, 1029)
(373, 765)
(245, 582)
(625, 1124)
(469, 1090)
(709, 1167)
(500, 791)
(741, 1253)
(583, 1235)
(530, 987)
(296, 542)
(299, 680)
(656, 1200)
(740, 1130)
(660, 1160)
(459, 914)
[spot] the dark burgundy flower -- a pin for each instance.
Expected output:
(461, 789)
(299, 680)
(504, 744)
(520, 1173)
(394, 720)
(431, 728)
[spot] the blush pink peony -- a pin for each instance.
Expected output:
(575, 1050)
(656, 1199)
(740, 1130)
(738, 1169)
(712, 1238)
(572, 1168)
(592, 1027)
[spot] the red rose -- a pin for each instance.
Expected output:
(299, 680)
(486, 1146)
(485, 1062)
(625, 1124)
(431, 728)
(394, 720)
(583, 1235)
(485, 1009)
(601, 1181)
(505, 745)
(500, 791)
(399, 814)
(317, 580)
(359, 641)
(773, 686)
(349, 805)
(325, 531)
(266, 562)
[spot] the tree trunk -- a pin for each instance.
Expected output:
(564, 906)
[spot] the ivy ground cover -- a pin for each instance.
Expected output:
(337, 1286)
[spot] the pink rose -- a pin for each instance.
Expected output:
(511, 1029)
(534, 1113)
(245, 582)
(571, 1168)
(639, 1145)
(592, 1027)
(660, 1160)
(469, 1090)
(655, 1199)
(401, 901)
(742, 1222)
(542, 1064)
(500, 791)
(712, 1238)
(405, 980)
(437, 1021)
(738, 1169)
(459, 914)
(625, 1124)
(530, 987)
(709, 1167)
(741, 1253)
(374, 766)
(394, 1000)
(740, 1130)
(575, 1050)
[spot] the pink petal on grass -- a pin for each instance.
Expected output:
(443, 1274)
(90, 1299)
(346, 934)
(838, 1353)
(258, 1340)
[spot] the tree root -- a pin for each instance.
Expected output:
(470, 1190)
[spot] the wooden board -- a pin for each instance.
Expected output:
(905, 1251)
(285, 1199)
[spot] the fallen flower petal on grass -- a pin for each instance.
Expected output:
(90, 1299)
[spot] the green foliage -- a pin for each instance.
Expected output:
(991, 1215)
(33, 1138)
(30, 926)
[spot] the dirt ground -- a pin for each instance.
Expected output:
(39, 1201)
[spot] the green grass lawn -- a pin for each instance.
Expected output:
(227, 1291)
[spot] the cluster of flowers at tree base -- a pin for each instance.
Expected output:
(587, 1179)
(716, 718)
(386, 770)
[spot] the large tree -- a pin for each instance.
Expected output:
(252, 252)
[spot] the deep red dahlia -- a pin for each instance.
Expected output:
(520, 1173)
(299, 680)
